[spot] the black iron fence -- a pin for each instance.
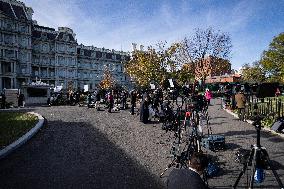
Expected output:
(273, 106)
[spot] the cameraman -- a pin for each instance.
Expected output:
(189, 178)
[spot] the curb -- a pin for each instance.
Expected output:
(23, 139)
(250, 122)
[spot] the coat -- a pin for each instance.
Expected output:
(240, 100)
(208, 95)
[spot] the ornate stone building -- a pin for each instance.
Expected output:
(54, 58)
(29, 52)
(15, 43)
(93, 61)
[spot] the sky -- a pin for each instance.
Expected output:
(116, 24)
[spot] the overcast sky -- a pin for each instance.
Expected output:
(115, 24)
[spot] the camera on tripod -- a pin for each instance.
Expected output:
(258, 159)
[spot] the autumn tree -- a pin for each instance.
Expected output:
(253, 73)
(107, 82)
(272, 60)
(185, 74)
(201, 45)
(152, 64)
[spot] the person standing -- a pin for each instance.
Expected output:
(3, 100)
(241, 102)
(21, 100)
(89, 99)
(144, 108)
(133, 101)
(277, 93)
(124, 99)
(208, 96)
(98, 99)
(111, 101)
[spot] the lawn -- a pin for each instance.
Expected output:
(14, 125)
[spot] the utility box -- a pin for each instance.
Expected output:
(12, 96)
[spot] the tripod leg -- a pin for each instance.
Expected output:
(275, 173)
(253, 169)
(246, 164)
(169, 166)
(240, 175)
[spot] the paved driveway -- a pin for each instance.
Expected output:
(83, 148)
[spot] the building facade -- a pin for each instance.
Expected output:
(228, 78)
(15, 43)
(93, 62)
(211, 66)
(29, 52)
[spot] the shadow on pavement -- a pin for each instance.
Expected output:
(73, 155)
(232, 146)
(239, 133)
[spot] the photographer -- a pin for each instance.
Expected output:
(241, 102)
(189, 178)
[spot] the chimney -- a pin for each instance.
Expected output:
(134, 46)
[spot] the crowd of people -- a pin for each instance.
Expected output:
(149, 104)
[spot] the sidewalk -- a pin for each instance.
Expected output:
(240, 134)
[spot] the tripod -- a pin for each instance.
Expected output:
(178, 156)
(258, 159)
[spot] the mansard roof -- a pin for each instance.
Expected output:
(39, 30)
(36, 34)
(61, 35)
(86, 52)
(6, 9)
(19, 11)
(12, 10)
(51, 36)
(43, 27)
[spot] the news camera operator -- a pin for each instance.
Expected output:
(197, 101)
(190, 177)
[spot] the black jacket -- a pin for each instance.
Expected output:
(184, 179)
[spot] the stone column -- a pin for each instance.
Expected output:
(12, 83)
(15, 67)
(1, 87)
(15, 83)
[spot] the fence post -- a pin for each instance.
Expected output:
(279, 107)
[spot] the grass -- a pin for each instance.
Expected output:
(14, 125)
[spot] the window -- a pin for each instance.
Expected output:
(45, 47)
(10, 53)
(23, 28)
(35, 92)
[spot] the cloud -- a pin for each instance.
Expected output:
(116, 24)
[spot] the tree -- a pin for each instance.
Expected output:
(108, 81)
(185, 74)
(152, 65)
(272, 60)
(196, 49)
(253, 74)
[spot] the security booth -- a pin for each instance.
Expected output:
(36, 93)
